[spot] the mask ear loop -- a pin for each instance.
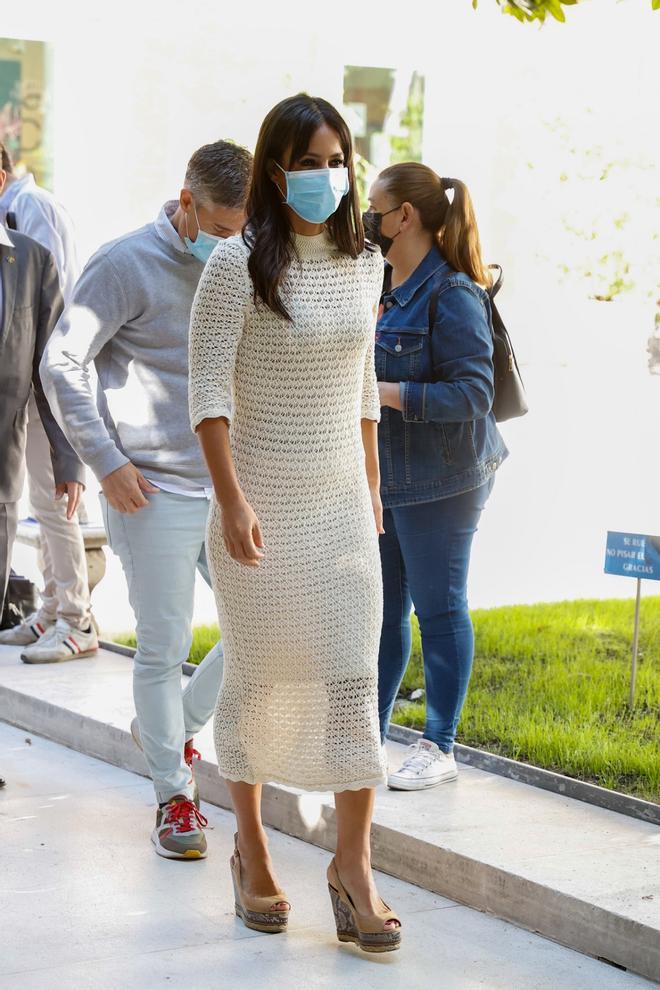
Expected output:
(285, 196)
(196, 218)
(393, 210)
(199, 226)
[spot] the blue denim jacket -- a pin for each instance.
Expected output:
(445, 441)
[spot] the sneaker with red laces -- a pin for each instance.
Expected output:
(178, 833)
(189, 754)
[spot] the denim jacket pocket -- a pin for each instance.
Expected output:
(399, 354)
(447, 454)
(458, 444)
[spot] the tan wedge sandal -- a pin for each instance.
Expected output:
(367, 931)
(256, 912)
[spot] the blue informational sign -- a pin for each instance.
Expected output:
(633, 555)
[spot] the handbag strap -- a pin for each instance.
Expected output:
(435, 293)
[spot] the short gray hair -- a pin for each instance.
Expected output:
(220, 174)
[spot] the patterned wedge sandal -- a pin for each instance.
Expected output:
(367, 931)
(256, 912)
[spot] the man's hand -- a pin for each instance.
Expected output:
(73, 490)
(124, 489)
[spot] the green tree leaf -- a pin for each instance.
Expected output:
(554, 6)
(535, 10)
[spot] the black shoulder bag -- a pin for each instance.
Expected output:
(510, 400)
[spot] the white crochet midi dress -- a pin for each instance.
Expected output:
(299, 701)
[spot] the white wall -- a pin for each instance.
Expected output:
(139, 85)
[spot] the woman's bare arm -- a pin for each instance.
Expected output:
(240, 526)
(370, 444)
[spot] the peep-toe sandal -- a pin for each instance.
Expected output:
(367, 931)
(256, 912)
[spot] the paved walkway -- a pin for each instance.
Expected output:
(86, 904)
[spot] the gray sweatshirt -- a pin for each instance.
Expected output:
(129, 317)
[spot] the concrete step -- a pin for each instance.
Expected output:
(93, 907)
(583, 876)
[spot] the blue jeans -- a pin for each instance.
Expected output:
(425, 556)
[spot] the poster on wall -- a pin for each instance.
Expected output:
(25, 101)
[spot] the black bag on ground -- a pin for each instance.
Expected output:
(20, 601)
(510, 400)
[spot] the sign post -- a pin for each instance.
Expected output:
(633, 555)
(633, 666)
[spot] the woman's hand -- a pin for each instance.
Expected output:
(242, 533)
(377, 506)
(390, 395)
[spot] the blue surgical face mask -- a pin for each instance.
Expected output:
(202, 246)
(315, 194)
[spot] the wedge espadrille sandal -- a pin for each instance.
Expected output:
(257, 913)
(367, 931)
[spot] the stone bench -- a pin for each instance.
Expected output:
(94, 538)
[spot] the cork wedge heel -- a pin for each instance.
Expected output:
(366, 931)
(256, 913)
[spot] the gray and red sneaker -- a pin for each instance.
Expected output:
(178, 833)
(28, 631)
(189, 754)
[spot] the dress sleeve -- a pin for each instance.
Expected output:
(216, 327)
(370, 395)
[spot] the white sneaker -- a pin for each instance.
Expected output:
(62, 642)
(425, 766)
(28, 631)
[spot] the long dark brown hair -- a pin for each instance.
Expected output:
(452, 222)
(284, 137)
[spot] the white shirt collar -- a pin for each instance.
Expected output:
(13, 188)
(165, 228)
(4, 236)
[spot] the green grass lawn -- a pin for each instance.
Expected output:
(550, 687)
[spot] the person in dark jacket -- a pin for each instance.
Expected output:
(439, 445)
(30, 305)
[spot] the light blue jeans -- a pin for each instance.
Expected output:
(160, 548)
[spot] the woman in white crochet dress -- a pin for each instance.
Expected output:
(283, 396)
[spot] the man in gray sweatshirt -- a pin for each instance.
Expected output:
(129, 317)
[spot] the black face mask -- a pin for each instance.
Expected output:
(372, 229)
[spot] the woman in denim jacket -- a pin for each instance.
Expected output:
(439, 445)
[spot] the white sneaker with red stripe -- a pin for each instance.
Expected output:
(62, 642)
(27, 632)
